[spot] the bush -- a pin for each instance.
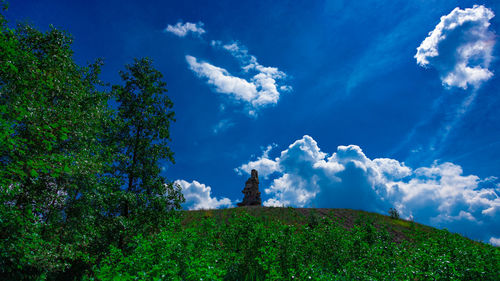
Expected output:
(394, 213)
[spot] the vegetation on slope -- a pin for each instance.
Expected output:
(256, 243)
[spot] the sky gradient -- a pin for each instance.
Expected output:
(341, 104)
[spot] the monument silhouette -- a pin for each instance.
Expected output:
(251, 191)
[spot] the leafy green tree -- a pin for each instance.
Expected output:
(394, 213)
(142, 134)
(76, 176)
(52, 160)
(51, 114)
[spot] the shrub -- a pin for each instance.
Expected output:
(394, 213)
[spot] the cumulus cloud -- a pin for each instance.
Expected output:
(261, 89)
(439, 195)
(198, 196)
(495, 241)
(182, 29)
(460, 47)
(263, 164)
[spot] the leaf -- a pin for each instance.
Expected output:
(34, 173)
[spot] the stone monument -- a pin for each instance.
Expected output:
(251, 191)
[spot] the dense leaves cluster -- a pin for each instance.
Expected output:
(76, 175)
(246, 247)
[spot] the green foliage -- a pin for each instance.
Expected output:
(51, 113)
(142, 126)
(64, 154)
(394, 213)
(51, 157)
(141, 135)
(245, 247)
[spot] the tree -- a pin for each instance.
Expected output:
(52, 159)
(76, 175)
(394, 213)
(142, 135)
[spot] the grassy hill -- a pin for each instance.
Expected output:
(398, 228)
(264, 243)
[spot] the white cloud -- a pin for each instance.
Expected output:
(182, 29)
(495, 241)
(223, 125)
(272, 202)
(460, 47)
(215, 43)
(263, 164)
(286, 88)
(223, 81)
(261, 88)
(439, 195)
(198, 196)
(241, 53)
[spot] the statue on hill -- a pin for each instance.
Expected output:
(251, 191)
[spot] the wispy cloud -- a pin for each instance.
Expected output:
(223, 125)
(260, 90)
(258, 86)
(223, 81)
(182, 29)
(460, 47)
(382, 54)
(443, 134)
(266, 77)
(439, 194)
(198, 196)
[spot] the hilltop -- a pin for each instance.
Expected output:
(399, 229)
(269, 243)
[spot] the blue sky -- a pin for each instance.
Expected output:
(329, 100)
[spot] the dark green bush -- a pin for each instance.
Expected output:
(394, 213)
